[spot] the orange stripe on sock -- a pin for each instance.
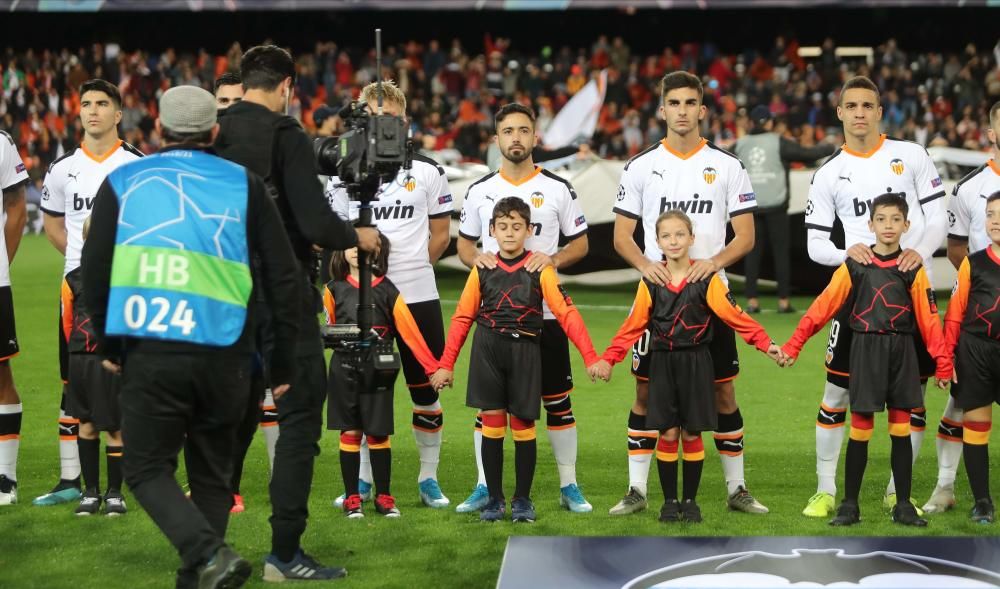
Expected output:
(560, 427)
(557, 395)
(639, 452)
(67, 438)
(726, 453)
(431, 413)
(634, 433)
(8, 437)
(829, 409)
(830, 425)
(728, 436)
(694, 456)
(69, 421)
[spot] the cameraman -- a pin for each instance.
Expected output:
(256, 133)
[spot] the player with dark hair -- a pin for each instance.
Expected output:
(689, 173)
(886, 306)
(681, 400)
(868, 163)
(228, 90)
(68, 194)
(505, 369)
(555, 214)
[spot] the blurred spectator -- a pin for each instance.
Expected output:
(929, 97)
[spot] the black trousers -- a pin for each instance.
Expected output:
(192, 402)
(769, 224)
(300, 417)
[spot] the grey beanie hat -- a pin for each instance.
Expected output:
(187, 109)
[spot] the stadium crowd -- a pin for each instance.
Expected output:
(929, 97)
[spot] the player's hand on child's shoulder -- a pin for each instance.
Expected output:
(537, 261)
(702, 269)
(861, 253)
(657, 273)
(485, 260)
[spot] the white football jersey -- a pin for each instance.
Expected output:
(71, 185)
(554, 211)
(12, 173)
(401, 211)
(967, 208)
(844, 186)
(708, 183)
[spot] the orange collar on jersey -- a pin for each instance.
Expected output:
(538, 170)
(519, 262)
(994, 166)
(870, 152)
(993, 256)
(687, 155)
(354, 281)
(886, 261)
(103, 156)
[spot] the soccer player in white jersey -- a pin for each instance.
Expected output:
(414, 212)
(869, 164)
(966, 235)
(68, 193)
(554, 211)
(13, 179)
(686, 172)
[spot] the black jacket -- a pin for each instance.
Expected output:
(276, 148)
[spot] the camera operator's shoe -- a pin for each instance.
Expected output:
(476, 501)
(90, 504)
(364, 489)
(848, 514)
(571, 497)
(493, 511)
(431, 495)
(8, 490)
(522, 510)
(303, 567)
(65, 491)
(386, 505)
(225, 570)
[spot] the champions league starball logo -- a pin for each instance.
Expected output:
(816, 568)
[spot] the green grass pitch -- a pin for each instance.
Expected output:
(49, 547)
